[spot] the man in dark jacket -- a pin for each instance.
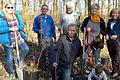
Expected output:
(65, 52)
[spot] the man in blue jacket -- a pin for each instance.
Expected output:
(65, 52)
(44, 26)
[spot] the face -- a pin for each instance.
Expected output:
(115, 15)
(69, 9)
(10, 8)
(44, 10)
(95, 11)
(71, 31)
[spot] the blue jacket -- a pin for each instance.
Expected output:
(114, 31)
(66, 51)
(47, 26)
(4, 28)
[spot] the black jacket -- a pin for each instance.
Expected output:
(66, 51)
(102, 28)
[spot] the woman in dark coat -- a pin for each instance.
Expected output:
(113, 42)
(94, 27)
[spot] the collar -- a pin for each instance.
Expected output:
(67, 37)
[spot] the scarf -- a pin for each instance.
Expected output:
(95, 18)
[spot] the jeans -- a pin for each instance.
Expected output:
(114, 52)
(96, 52)
(23, 49)
(64, 73)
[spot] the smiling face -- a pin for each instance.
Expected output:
(9, 8)
(44, 9)
(95, 10)
(69, 9)
(115, 14)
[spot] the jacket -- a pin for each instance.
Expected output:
(102, 30)
(4, 28)
(47, 26)
(66, 51)
(114, 31)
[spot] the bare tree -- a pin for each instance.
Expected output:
(89, 7)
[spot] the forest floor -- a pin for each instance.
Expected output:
(4, 75)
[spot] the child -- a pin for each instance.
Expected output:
(97, 73)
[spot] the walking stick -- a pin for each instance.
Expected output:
(56, 69)
(40, 44)
(18, 65)
(84, 57)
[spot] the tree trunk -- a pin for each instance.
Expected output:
(119, 4)
(113, 4)
(85, 7)
(108, 6)
(102, 7)
(89, 7)
(116, 5)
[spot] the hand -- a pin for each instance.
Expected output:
(54, 42)
(101, 36)
(114, 37)
(40, 31)
(89, 29)
(55, 64)
(13, 29)
(107, 37)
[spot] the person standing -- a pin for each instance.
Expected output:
(44, 25)
(94, 27)
(113, 41)
(70, 17)
(67, 49)
(11, 23)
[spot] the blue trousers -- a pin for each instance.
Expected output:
(23, 49)
(64, 73)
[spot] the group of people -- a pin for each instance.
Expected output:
(68, 47)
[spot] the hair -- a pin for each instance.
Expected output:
(72, 25)
(99, 68)
(95, 5)
(119, 13)
(8, 16)
(71, 4)
(44, 5)
(7, 2)
(113, 10)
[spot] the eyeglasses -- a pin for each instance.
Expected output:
(44, 8)
(9, 7)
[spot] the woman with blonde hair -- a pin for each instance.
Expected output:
(11, 23)
(113, 42)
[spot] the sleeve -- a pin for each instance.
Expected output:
(36, 25)
(108, 29)
(80, 52)
(102, 26)
(3, 27)
(60, 22)
(91, 74)
(54, 55)
(84, 24)
(104, 76)
(53, 28)
(21, 24)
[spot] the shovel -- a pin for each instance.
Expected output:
(18, 64)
